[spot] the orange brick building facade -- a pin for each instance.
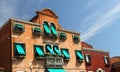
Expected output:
(40, 45)
(95, 60)
(115, 64)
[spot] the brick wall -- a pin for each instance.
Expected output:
(29, 40)
(115, 64)
(5, 47)
(97, 60)
(84, 44)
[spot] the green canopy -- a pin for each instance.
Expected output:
(47, 29)
(57, 50)
(66, 54)
(20, 49)
(56, 70)
(79, 54)
(39, 51)
(49, 48)
(53, 29)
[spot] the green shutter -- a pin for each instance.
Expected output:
(46, 28)
(20, 49)
(79, 54)
(50, 50)
(65, 53)
(56, 70)
(39, 51)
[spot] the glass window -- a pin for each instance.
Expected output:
(76, 38)
(37, 30)
(56, 50)
(65, 53)
(19, 49)
(18, 27)
(87, 59)
(79, 55)
(62, 35)
(49, 49)
(39, 51)
(106, 60)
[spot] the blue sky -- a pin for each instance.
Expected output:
(98, 21)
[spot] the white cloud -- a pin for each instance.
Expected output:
(101, 22)
(17, 8)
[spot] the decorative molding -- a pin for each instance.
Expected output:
(23, 21)
(95, 50)
(68, 31)
(50, 43)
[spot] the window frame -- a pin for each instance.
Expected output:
(55, 50)
(47, 51)
(45, 32)
(63, 53)
(36, 54)
(108, 61)
(15, 50)
(76, 39)
(62, 37)
(53, 25)
(89, 58)
(18, 30)
(77, 57)
(36, 33)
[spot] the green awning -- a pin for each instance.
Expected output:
(49, 48)
(66, 54)
(53, 29)
(79, 54)
(46, 28)
(56, 49)
(62, 34)
(19, 25)
(39, 51)
(76, 37)
(56, 70)
(37, 29)
(20, 49)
